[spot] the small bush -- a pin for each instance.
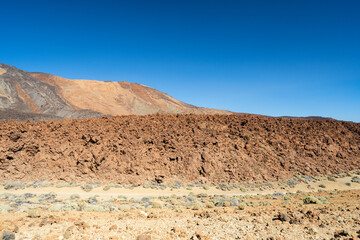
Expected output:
(156, 204)
(63, 184)
(310, 199)
(209, 204)
(174, 185)
(195, 206)
(322, 186)
(34, 213)
(355, 179)
(206, 186)
(129, 186)
(243, 189)
(87, 187)
(242, 206)
(226, 203)
(74, 196)
(331, 178)
(224, 187)
(201, 195)
(14, 185)
(41, 183)
(287, 198)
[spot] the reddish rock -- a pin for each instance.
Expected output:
(164, 148)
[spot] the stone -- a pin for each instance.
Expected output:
(284, 217)
(68, 232)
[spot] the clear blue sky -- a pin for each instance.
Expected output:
(291, 57)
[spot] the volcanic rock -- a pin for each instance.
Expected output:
(212, 148)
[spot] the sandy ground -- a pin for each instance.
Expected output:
(139, 192)
(340, 217)
(281, 218)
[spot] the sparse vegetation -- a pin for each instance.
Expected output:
(14, 185)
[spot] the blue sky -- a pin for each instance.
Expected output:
(298, 57)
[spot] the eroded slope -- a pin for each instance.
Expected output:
(25, 97)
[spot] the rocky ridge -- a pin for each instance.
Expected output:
(163, 148)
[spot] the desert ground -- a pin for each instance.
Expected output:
(324, 207)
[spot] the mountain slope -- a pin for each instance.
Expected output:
(31, 98)
(117, 98)
(36, 96)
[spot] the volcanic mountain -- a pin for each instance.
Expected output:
(41, 96)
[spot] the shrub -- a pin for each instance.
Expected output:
(310, 199)
(224, 187)
(278, 194)
(209, 204)
(87, 187)
(206, 186)
(41, 183)
(287, 198)
(201, 195)
(335, 192)
(226, 203)
(291, 183)
(63, 184)
(129, 186)
(14, 185)
(331, 178)
(74, 196)
(34, 213)
(92, 200)
(355, 179)
(322, 186)
(265, 203)
(156, 204)
(195, 206)
(243, 189)
(242, 206)
(4, 208)
(174, 185)
(122, 197)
